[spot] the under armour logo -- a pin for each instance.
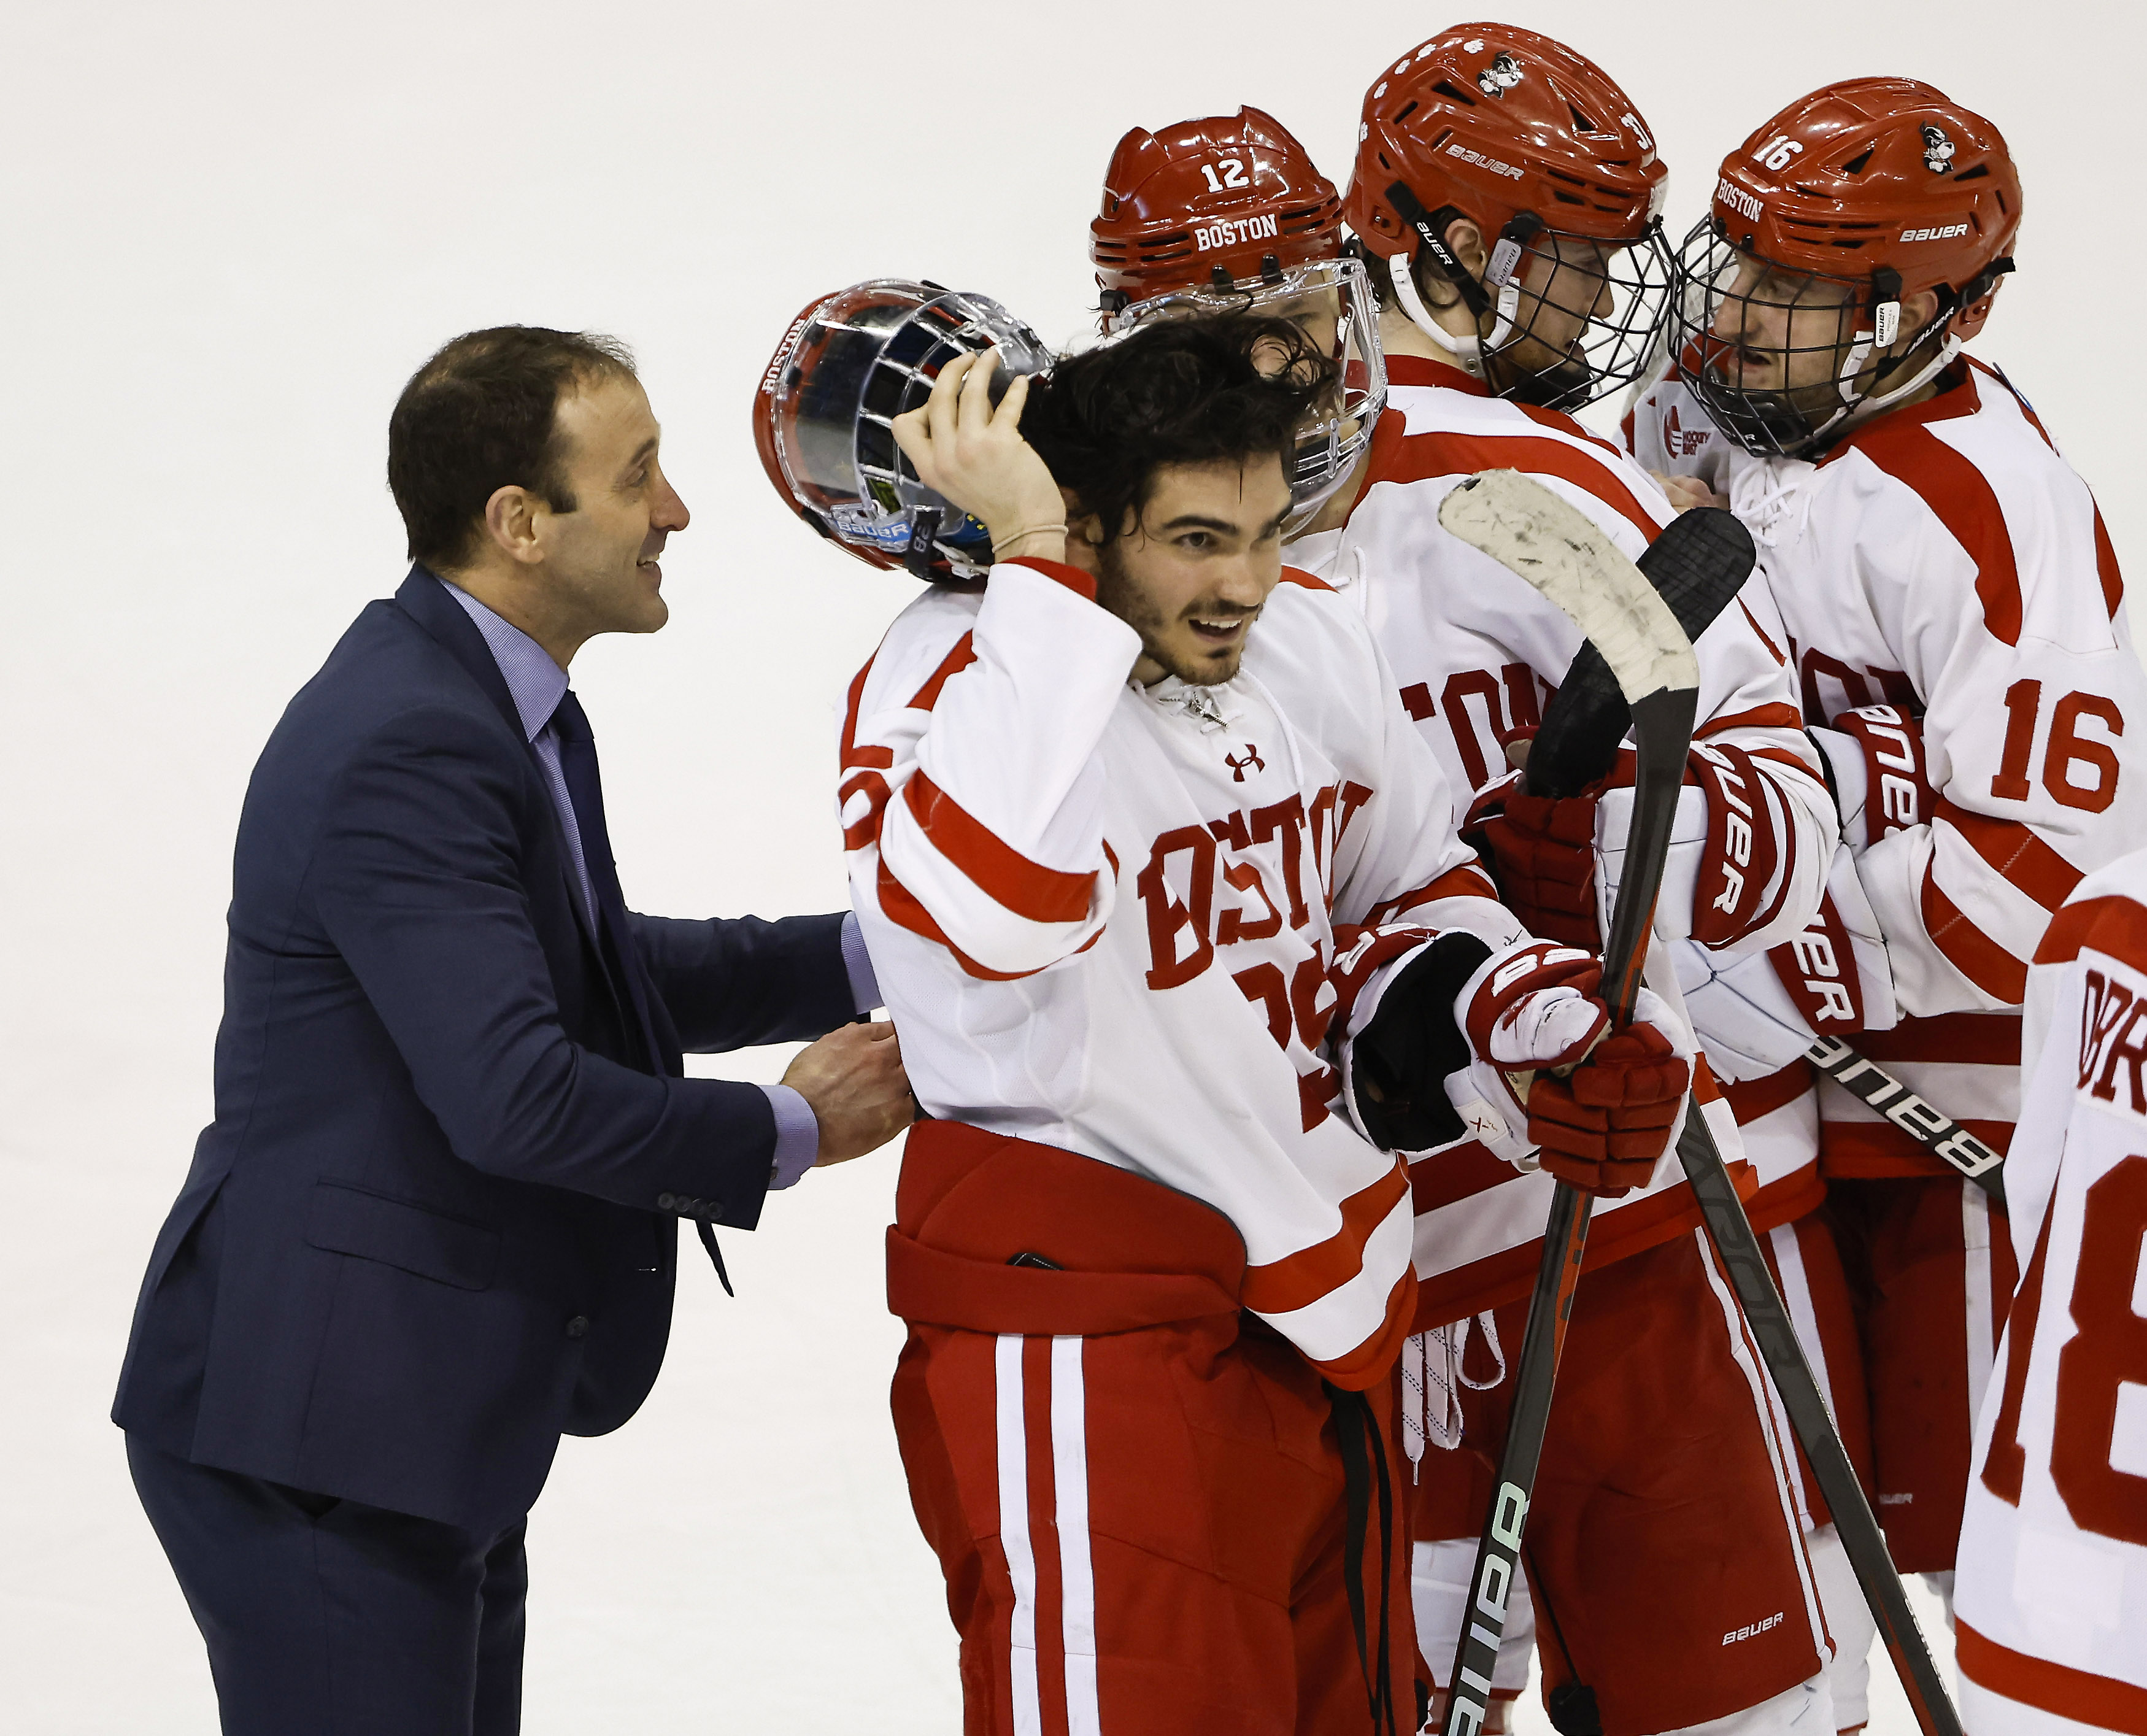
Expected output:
(1251, 762)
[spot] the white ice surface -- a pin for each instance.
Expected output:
(228, 232)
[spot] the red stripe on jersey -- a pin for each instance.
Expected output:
(959, 658)
(2105, 564)
(1760, 716)
(2016, 853)
(1298, 576)
(1751, 1098)
(1298, 1279)
(901, 907)
(1423, 371)
(1951, 486)
(1565, 425)
(1028, 888)
(2114, 926)
(1979, 958)
(1418, 458)
(1879, 1151)
(1756, 628)
(852, 754)
(1973, 1039)
(1373, 1361)
(1466, 882)
(2026, 410)
(2071, 1694)
(1460, 1172)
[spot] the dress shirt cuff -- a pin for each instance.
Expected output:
(797, 1135)
(864, 986)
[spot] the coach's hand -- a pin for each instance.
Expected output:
(973, 452)
(854, 1079)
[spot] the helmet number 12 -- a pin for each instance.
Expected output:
(1233, 174)
(1776, 153)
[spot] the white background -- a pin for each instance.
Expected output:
(227, 234)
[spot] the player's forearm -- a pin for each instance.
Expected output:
(996, 830)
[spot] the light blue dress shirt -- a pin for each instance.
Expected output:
(537, 684)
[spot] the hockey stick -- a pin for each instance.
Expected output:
(1555, 547)
(1698, 566)
(1739, 1247)
(1921, 1119)
(1579, 737)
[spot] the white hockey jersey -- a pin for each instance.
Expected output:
(1105, 915)
(1477, 652)
(1944, 558)
(2050, 1595)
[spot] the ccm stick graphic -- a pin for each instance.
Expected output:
(1698, 566)
(1525, 526)
(1700, 563)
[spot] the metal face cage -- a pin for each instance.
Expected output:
(863, 357)
(1593, 328)
(1778, 357)
(1331, 302)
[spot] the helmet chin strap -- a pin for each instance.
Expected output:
(1858, 408)
(1501, 275)
(1467, 353)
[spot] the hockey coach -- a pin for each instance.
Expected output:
(433, 1225)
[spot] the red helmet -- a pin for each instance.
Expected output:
(1209, 203)
(822, 418)
(1520, 135)
(1496, 121)
(1874, 174)
(1884, 187)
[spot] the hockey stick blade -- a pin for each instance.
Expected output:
(1532, 532)
(1698, 563)
(1921, 1119)
(1866, 1544)
(1547, 541)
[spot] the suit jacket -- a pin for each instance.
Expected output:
(434, 1222)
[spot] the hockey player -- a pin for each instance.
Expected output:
(2052, 1594)
(1469, 367)
(1952, 608)
(1148, 858)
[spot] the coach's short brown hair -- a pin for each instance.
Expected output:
(480, 416)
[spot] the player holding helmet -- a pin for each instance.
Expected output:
(1147, 856)
(1475, 651)
(1954, 611)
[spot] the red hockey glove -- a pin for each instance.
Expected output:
(1545, 852)
(1602, 1127)
(1559, 860)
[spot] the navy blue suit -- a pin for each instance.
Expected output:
(434, 1224)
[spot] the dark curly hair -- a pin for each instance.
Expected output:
(482, 415)
(1198, 390)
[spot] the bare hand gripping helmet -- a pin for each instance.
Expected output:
(822, 418)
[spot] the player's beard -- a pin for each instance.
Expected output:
(1118, 591)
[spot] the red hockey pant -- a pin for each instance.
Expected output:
(1663, 1554)
(1147, 1524)
(1929, 1265)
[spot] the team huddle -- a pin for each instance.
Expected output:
(1254, 998)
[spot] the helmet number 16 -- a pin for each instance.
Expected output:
(1776, 153)
(1233, 174)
